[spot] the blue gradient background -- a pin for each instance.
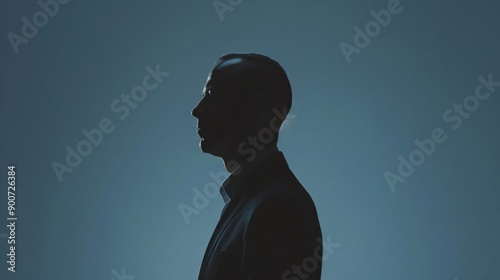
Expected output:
(119, 207)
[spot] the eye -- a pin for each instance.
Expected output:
(210, 94)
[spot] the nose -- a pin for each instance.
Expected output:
(197, 111)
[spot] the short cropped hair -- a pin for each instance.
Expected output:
(260, 74)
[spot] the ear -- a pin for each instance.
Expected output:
(255, 106)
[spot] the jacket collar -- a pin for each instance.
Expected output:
(233, 183)
(261, 171)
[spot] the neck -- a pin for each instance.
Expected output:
(233, 160)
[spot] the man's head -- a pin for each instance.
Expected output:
(245, 94)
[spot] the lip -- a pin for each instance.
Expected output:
(200, 131)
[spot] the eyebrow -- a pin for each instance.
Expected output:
(205, 90)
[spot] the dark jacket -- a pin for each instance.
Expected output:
(269, 229)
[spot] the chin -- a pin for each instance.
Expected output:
(206, 146)
(210, 148)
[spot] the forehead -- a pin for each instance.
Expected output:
(223, 75)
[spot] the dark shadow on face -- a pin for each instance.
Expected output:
(238, 98)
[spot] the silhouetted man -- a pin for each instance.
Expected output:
(269, 227)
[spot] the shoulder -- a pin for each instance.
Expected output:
(277, 208)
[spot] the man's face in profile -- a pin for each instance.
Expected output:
(219, 111)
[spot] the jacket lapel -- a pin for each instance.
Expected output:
(227, 215)
(235, 205)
